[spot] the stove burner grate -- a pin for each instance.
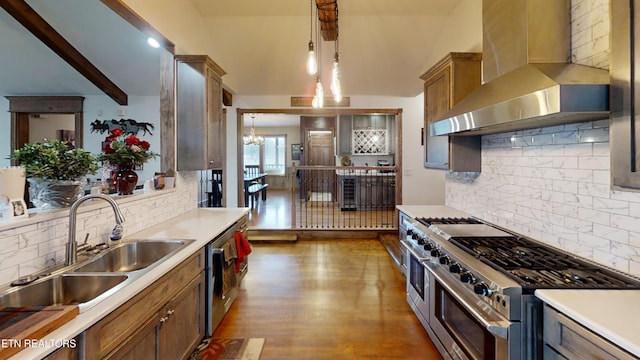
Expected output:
(537, 266)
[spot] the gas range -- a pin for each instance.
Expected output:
(478, 283)
(501, 266)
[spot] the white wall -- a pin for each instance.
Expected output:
(141, 109)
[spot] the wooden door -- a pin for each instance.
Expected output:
(319, 148)
(320, 152)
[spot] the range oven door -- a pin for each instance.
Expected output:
(417, 283)
(464, 326)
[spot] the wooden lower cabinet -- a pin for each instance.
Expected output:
(164, 321)
(64, 353)
(183, 329)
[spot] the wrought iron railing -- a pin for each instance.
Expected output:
(354, 197)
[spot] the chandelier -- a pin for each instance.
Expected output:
(252, 139)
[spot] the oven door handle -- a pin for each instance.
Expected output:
(498, 328)
(413, 252)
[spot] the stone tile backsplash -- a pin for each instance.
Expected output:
(553, 185)
(36, 246)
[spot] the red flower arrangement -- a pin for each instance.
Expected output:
(118, 149)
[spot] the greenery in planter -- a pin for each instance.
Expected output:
(55, 160)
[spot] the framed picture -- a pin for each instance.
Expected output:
(18, 208)
(295, 151)
(68, 136)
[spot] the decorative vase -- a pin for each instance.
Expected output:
(54, 194)
(124, 179)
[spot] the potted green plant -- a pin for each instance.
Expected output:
(55, 172)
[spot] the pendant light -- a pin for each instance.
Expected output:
(252, 139)
(318, 99)
(312, 63)
(336, 89)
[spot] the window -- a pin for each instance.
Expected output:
(272, 155)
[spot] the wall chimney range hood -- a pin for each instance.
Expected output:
(529, 81)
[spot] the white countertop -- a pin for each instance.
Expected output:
(431, 211)
(609, 313)
(201, 225)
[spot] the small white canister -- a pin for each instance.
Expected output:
(12, 182)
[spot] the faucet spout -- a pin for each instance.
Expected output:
(71, 255)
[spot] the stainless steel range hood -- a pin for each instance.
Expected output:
(529, 81)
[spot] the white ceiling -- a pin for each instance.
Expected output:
(384, 44)
(384, 47)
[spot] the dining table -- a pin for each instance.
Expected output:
(250, 179)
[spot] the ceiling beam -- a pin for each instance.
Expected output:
(328, 17)
(32, 21)
(133, 18)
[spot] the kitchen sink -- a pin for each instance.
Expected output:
(65, 289)
(132, 256)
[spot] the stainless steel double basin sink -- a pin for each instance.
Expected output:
(92, 280)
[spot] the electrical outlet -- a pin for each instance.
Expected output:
(407, 172)
(122, 112)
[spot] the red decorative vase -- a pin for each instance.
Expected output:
(124, 179)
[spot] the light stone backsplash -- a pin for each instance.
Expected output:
(553, 184)
(38, 245)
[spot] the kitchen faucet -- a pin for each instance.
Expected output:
(72, 247)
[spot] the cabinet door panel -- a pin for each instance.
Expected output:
(184, 326)
(215, 128)
(436, 99)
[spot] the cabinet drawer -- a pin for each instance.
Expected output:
(573, 341)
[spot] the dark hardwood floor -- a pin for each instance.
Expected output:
(326, 299)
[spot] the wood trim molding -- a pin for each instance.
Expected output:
(39, 27)
(227, 98)
(139, 23)
(305, 101)
(20, 106)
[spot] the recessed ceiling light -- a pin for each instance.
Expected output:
(153, 42)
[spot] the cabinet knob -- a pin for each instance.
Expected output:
(170, 312)
(164, 319)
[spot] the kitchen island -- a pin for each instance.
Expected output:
(200, 225)
(366, 189)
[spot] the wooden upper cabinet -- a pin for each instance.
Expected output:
(445, 84)
(200, 123)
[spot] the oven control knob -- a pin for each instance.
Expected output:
(445, 260)
(455, 268)
(409, 232)
(467, 277)
(420, 240)
(428, 246)
(482, 289)
(435, 252)
(414, 236)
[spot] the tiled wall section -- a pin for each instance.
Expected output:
(553, 184)
(590, 26)
(31, 248)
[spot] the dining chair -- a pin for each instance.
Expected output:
(252, 169)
